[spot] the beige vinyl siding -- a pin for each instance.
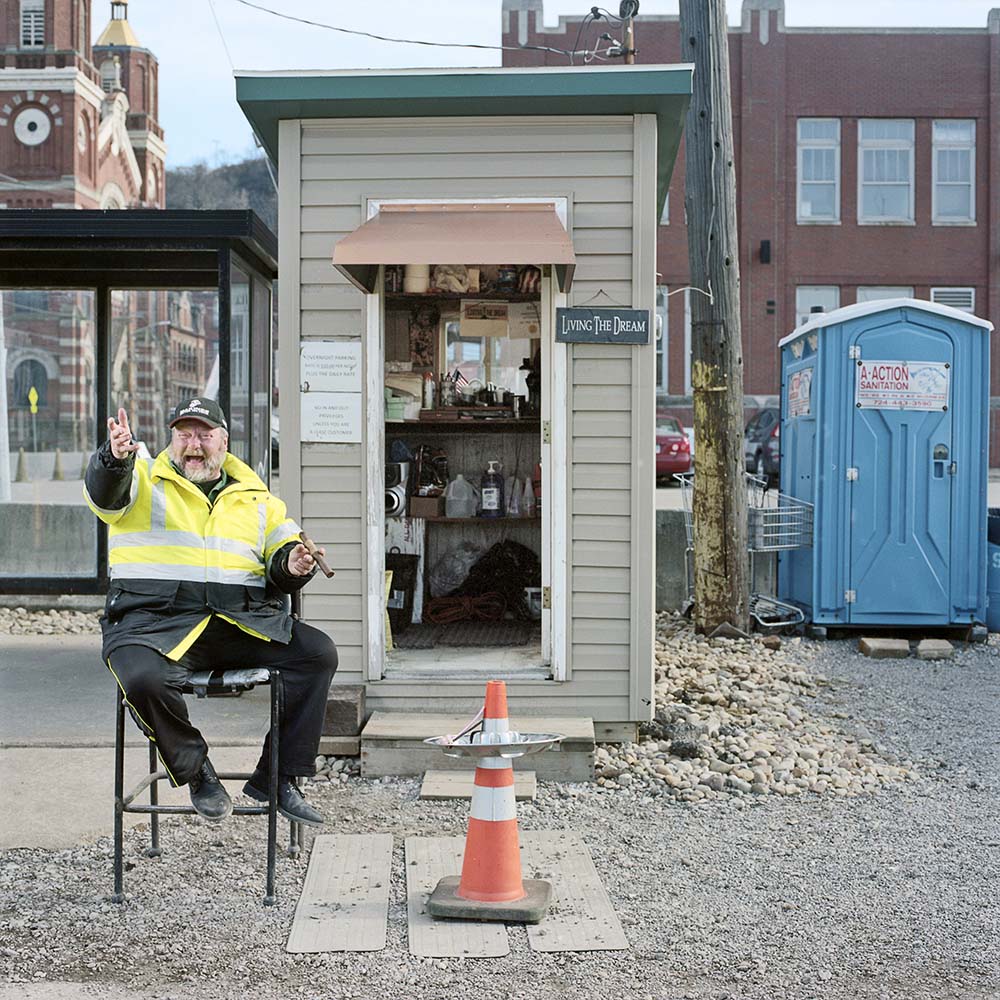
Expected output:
(342, 164)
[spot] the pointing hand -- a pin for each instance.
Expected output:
(120, 435)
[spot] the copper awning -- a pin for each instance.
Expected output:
(489, 233)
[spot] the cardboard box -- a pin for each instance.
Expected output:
(426, 507)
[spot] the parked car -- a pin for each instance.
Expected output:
(762, 443)
(673, 449)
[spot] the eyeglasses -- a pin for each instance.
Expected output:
(190, 435)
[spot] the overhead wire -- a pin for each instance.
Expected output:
(407, 41)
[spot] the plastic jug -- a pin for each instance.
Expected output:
(460, 498)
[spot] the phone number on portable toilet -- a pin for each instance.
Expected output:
(902, 385)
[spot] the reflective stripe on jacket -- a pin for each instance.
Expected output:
(169, 532)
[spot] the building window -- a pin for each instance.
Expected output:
(957, 298)
(885, 170)
(954, 170)
(825, 297)
(32, 24)
(872, 293)
(662, 325)
(30, 375)
(818, 170)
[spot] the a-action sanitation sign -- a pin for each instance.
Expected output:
(902, 385)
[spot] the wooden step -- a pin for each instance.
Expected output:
(392, 744)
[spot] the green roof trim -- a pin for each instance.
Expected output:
(665, 91)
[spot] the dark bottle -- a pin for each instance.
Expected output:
(491, 491)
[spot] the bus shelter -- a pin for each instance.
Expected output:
(102, 309)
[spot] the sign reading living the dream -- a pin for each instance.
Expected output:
(602, 326)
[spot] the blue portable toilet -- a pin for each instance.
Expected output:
(884, 409)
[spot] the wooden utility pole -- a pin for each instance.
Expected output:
(721, 571)
(627, 10)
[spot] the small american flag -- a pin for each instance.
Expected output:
(458, 378)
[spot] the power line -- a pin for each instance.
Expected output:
(410, 41)
(222, 37)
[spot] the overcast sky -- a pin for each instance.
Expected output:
(203, 122)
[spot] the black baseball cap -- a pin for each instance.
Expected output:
(207, 411)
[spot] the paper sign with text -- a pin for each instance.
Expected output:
(902, 385)
(330, 366)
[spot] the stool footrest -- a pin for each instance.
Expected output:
(208, 682)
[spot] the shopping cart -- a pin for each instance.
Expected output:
(776, 523)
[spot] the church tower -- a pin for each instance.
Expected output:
(78, 124)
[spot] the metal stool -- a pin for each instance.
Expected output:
(231, 683)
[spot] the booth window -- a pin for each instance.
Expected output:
(32, 24)
(818, 170)
(885, 170)
(954, 170)
(808, 296)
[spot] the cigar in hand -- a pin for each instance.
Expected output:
(314, 552)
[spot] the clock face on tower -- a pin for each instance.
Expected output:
(32, 126)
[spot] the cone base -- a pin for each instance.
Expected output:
(445, 902)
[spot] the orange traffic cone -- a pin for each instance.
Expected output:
(491, 887)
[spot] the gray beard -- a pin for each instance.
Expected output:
(211, 470)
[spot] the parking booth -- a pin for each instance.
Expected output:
(467, 270)
(884, 429)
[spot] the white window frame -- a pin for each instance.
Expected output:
(801, 146)
(807, 296)
(943, 144)
(937, 291)
(555, 412)
(662, 339)
(687, 342)
(876, 293)
(32, 24)
(866, 145)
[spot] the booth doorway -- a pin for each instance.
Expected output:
(465, 420)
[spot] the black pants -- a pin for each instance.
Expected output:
(152, 685)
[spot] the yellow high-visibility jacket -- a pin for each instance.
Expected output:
(175, 558)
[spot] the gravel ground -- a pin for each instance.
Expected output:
(884, 887)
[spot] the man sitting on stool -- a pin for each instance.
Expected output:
(197, 549)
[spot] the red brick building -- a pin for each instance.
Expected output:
(78, 123)
(868, 165)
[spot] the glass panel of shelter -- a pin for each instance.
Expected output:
(48, 406)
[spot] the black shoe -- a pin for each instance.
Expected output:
(210, 800)
(291, 804)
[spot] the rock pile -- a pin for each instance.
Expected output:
(731, 720)
(336, 770)
(20, 621)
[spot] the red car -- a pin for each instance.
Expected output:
(673, 450)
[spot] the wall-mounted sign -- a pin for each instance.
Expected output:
(480, 318)
(902, 385)
(602, 326)
(800, 393)
(330, 366)
(331, 417)
(330, 382)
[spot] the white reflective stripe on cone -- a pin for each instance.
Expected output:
(493, 804)
(493, 763)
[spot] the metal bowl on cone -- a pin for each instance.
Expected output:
(508, 745)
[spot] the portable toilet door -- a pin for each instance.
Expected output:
(913, 459)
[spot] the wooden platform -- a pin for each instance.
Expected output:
(392, 744)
